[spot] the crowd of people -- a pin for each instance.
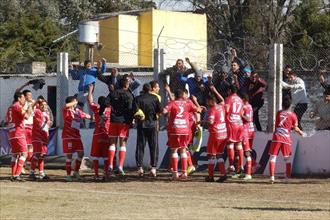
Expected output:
(227, 104)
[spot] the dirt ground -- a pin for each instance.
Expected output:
(146, 198)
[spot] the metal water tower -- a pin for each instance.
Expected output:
(89, 36)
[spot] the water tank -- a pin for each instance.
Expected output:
(89, 32)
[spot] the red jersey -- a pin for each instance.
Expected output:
(41, 124)
(248, 125)
(285, 121)
(15, 120)
(179, 113)
(235, 105)
(102, 122)
(71, 119)
(216, 118)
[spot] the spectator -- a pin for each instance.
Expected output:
(134, 83)
(286, 91)
(222, 82)
(322, 111)
(86, 76)
(177, 76)
(322, 80)
(112, 81)
(239, 77)
(256, 87)
(298, 94)
(198, 87)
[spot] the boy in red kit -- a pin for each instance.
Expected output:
(100, 143)
(178, 131)
(248, 135)
(217, 139)
(71, 135)
(234, 110)
(284, 123)
(40, 134)
(17, 139)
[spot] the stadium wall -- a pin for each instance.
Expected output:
(311, 155)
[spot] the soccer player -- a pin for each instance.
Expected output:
(28, 124)
(71, 135)
(234, 110)
(284, 123)
(100, 143)
(15, 118)
(178, 131)
(121, 101)
(40, 134)
(217, 138)
(248, 135)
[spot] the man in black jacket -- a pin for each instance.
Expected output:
(149, 107)
(121, 101)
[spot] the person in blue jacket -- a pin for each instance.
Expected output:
(86, 76)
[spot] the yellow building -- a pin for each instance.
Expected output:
(128, 39)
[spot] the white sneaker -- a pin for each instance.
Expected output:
(272, 179)
(153, 172)
(140, 172)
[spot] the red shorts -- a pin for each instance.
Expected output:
(177, 141)
(28, 136)
(39, 147)
(72, 145)
(235, 133)
(275, 147)
(119, 130)
(100, 145)
(215, 145)
(18, 145)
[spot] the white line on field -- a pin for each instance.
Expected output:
(169, 196)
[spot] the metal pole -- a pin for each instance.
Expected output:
(279, 76)
(156, 63)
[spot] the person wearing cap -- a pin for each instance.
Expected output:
(321, 111)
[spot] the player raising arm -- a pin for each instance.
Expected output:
(71, 135)
(100, 143)
(40, 134)
(285, 122)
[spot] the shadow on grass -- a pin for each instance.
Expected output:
(281, 209)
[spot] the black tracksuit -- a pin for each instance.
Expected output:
(147, 129)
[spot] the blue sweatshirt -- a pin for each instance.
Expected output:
(86, 77)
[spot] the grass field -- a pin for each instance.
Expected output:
(134, 198)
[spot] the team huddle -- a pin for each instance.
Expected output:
(229, 122)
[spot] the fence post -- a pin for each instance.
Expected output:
(62, 90)
(274, 84)
(156, 63)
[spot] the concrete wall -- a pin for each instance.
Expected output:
(312, 154)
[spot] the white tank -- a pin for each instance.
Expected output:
(89, 32)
